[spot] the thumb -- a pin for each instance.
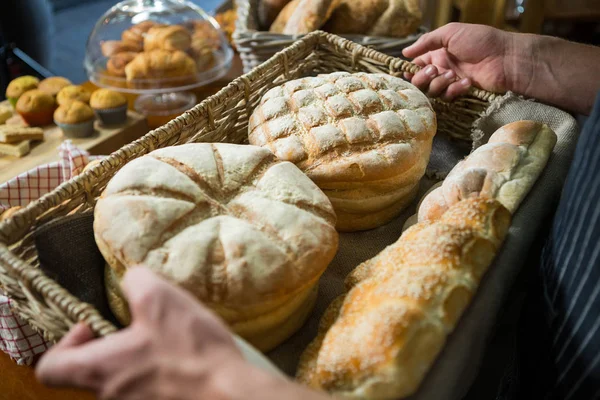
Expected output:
(431, 41)
(78, 335)
(144, 291)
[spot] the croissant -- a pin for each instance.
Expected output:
(116, 64)
(112, 47)
(161, 64)
(173, 37)
(137, 32)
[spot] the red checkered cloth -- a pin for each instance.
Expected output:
(18, 339)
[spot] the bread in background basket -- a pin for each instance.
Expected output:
(245, 233)
(364, 139)
(393, 18)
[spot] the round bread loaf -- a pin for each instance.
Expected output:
(247, 234)
(364, 139)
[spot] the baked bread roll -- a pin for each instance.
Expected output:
(116, 63)
(170, 67)
(364, 139)
(247, 234)
(393, 18)
(137, 32)
(505, 169)
(380, 339)
(112, 47)
(303, 16)
(172, 38)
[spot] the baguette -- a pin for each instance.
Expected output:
(505, 169)
(305, 17)
(380, 339)
(13, 134)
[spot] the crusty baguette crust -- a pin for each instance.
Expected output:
(505, 168)
(402, 304)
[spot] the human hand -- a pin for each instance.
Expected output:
(456, 56)
(174, 348)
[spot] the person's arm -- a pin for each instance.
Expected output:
(174, 349)
(548, 69)
(559, 72)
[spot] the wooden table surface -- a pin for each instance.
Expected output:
(18, 382)
(104, 141)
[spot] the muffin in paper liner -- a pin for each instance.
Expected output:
(78, 130)
(112, 116)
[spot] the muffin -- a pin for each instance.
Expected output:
(36, 107)
(19, 86)
(71, 93)
(54, 85)
(110, 106)
(75, 119)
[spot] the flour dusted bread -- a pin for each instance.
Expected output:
(393, 18)
(303, 16)
(505, 168)
(379, 339)
(364, 139)
(247, 234)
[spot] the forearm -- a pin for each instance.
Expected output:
(555, 71)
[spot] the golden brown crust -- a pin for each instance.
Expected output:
(355, 16)
(309, 15)
(34, 101)
(73, 112)
(403, 303)
(72, 93)
(105, 98)
(160, 64)
(279, 23)
(172, 38)
(53, 85)
(136, 33)
(112, 47)
(21, 85)
(116, 64)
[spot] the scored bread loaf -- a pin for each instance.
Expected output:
(245, 233)
(379, 340)
(303, 16)
(505, 169)
(364, 139)
(393, 18)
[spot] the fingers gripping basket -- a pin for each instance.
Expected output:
(256, 46)
(223, 117)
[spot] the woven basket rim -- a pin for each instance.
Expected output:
(30, 283)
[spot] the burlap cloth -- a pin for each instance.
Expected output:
(78, 265)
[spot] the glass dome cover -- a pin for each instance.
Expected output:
(156, 46)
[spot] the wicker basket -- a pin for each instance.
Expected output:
(255, 47)
(220, 118)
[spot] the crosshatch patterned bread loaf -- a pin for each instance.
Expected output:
(379, 340)
(364, 139)
(247, 234)
(505, 168)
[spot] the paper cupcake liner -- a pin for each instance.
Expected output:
(42, 118)
(112, 116)
(79, 130)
